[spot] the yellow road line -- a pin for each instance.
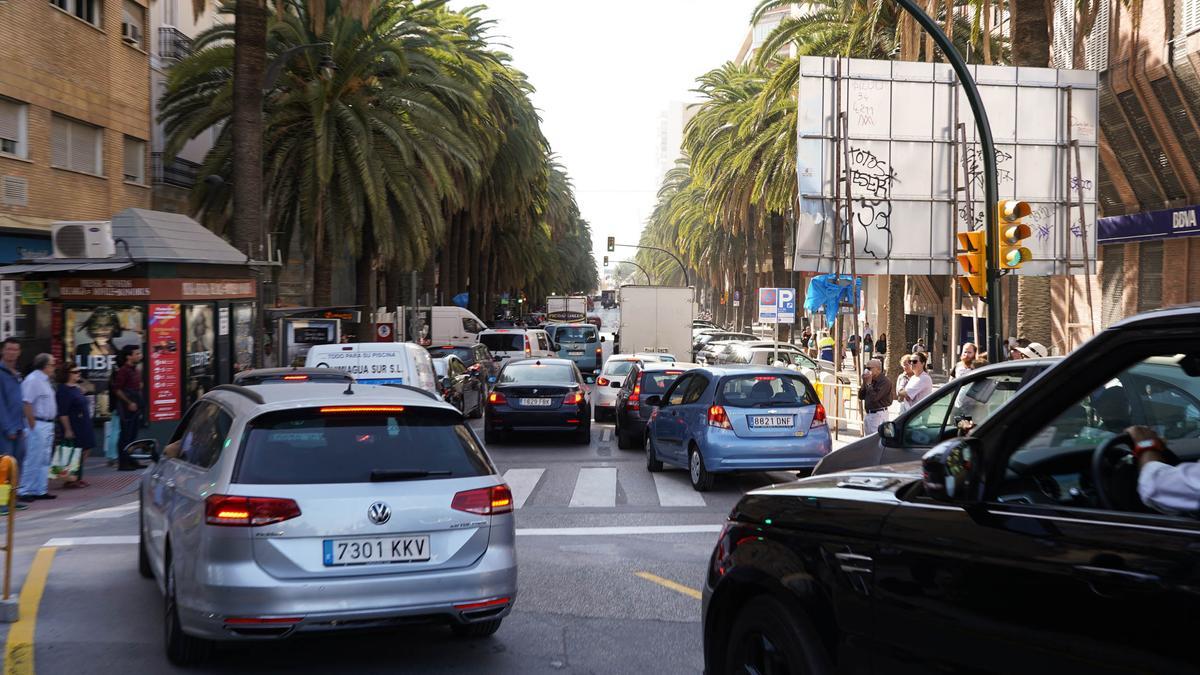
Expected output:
(679, 588)
(18, 656)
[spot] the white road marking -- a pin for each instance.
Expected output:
(675, 490)
(522, 482)
(595, 487)
(615, 530)
(110, 512)
(92, 541)
(606, 435)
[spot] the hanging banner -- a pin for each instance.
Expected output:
(163, 332)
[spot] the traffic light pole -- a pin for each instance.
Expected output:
(686, 280)
(995, 349)
(643, 269)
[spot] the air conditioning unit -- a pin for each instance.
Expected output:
(83, 239)
(130, 33)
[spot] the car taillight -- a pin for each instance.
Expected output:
(528, 346)
(602, 381)
(718, 418)
(235, 511)
(635, 397)
(295, 378)
(818, 417)
(488, 501)
(573, 398)
(497, 398)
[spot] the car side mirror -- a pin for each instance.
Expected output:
(602, 338)
(491, 379)
(146, 447)
(953, 471)
(888, 434)
(654, 401)
(497, 358)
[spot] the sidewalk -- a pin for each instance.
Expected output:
(104, 481)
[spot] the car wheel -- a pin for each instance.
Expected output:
(768, 638)
(583, 435)
(182, 649)
(478, 411)
(479, 629)
(702, 480)
(653, 464)
(624, 442)
(144, 568)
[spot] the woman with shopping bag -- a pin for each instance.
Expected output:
(77, 435)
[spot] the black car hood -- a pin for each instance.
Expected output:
(882, 480)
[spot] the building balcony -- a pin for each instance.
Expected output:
(173, 45)
(177, 172)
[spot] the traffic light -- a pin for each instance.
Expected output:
(973, 261)
(606, 261)
(1013, 232)
(612, 244)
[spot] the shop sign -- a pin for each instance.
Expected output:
(155, 289)
(1150, 225)
(164, 337)
(223, 321)
(33, 292)
(341, 316)
(87, 289)
(384, 332)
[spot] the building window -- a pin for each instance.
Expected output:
(88, 10)
(12, 128)
(1150, 276)
(76, 146)
(133, 21)
(135, 160)
(1187, 16)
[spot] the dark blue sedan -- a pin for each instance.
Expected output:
(538, 395)
(736, 418)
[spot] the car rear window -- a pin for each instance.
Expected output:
(618, 367)
(537, 373)
(308, 446)
(463, 353)
(504, 342)
(762, 391)
(657, 382)
(574, 333)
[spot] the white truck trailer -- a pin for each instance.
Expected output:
(657, 319)
(566, 308)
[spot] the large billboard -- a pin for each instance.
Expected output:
(908, 176)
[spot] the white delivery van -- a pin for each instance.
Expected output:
(441, 325)
(378, 363)
(507, 344)
(657, 319)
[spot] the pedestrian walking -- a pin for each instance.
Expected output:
(966, 359)
(919, 346)
(12, 406)
(825, 348)
(919, 384)
(876, 394)
(127, 388)
(41, 411)
(852, 345)
(902, 380)
(868, 343)
(881, 345)
(75, 420)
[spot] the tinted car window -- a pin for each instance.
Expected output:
(675, 397)
(551, 373)
(575, 333)
(617, 367)
(751, 391)
(464, 353)
(696, 386)
(658, 381)
(307, 447)
(543, 342)
(503, 342)
(471, 325)
(205, 435)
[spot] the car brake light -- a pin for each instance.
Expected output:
(361, 409)
(497, 398)
(602, 381)
(488, 501)
(573, 398)
(718, 418)
(236, 511)
(818, 417)
(295, 378)
(634, 402)
(528, 346)
(482, 605)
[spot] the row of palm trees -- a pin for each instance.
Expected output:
(727, 206)
(420, 151)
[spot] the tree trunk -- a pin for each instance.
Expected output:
(461, 224)
(249, 62)
(322, 295)
(1030, 34)
(450, 258)
(477, 268)
(364, 286)
(894, 320)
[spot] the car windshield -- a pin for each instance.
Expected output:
(618, 367)
(339, 445)
(463, 353)
(657, 382)
(574, 333)
(503, 342)
(764, 391)
(537, 373)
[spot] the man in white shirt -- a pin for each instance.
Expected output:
(41, 408)
(919, 385)
(1169, 489)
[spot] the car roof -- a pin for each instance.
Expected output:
(1045, 362)
(327, 373)
(1177, 316)
(283, 396)
(623, 357)
(747, 369)
(650, 366)
(542, 360)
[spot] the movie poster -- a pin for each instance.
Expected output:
(163, 361)
(94, 336)
(200, 355)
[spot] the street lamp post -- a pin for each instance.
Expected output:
(686, 280)
(643, 269)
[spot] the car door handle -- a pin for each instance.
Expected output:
(170, 483)
(1111, 575)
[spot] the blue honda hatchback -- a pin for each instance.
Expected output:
(736, 418)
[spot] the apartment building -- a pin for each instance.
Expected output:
(75, 118)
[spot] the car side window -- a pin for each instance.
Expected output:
(543, 343)
(695, 390)
(471, 325)
(457, 368)
(979, 398)
(925, 427)
(675, 395)
(205, 436)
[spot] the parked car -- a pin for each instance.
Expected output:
(377, 362)
(715, 351)
(279, 510)
(459, 387)
(701, 324)
(973, 397)
(645, 378)
(507, 344)
(705, 337)
(923, 567)
(538, 395)
(476, 357)
(736, 418)
(789, 355)
(297, 375)
(610, 379)
(578, 342)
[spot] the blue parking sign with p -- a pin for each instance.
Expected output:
(787, 305)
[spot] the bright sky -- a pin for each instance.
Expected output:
(604, 72)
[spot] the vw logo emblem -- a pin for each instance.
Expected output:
(379, 513)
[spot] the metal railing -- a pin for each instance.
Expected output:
(173, 44)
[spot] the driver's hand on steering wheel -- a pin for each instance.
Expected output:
(1143, 454)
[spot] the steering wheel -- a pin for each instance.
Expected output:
(1106, 459)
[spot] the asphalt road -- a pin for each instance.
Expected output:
(588, 603)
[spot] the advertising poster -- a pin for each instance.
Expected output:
(94, 335)
(201, 359)
(164, 325)
(243, 337)
(302, 334)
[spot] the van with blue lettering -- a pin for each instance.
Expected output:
(378, 363)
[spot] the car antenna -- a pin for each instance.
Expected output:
(349, 388)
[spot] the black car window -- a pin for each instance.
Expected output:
(471, 325)
(675, 394)
(503, 342)
(657, 381)
(631, 378)
(309, 446)
(755, 391)
(575, 333)
(538, 373)
(617, 367)
(205, 436)
(696, 387)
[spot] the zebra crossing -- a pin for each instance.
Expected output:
(617, 486)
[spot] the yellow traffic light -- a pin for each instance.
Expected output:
(973, 261)
(612, 244)
(1013, 232)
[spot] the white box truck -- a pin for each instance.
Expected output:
(566, 308)
(439, 325)
(657, 319)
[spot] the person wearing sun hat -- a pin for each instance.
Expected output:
(1035, 350)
